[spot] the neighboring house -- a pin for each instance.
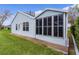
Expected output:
(1, 20)
(50, 26)
(7, 22)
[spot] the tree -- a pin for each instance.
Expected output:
(77, 30)
(73, 13)
(4, 14)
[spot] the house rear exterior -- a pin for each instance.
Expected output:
(50, 26)
(23, 24)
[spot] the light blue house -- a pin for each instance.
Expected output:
(50, 26)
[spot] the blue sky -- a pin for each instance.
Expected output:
(27, 7)
(33, 7)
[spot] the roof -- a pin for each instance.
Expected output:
(8, 21)
(51, 9)
(30, 13)
(47, 9)
(23, 14)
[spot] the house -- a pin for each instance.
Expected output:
(1, 20)
(50, 26)
(7, 22)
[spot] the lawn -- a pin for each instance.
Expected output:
(13, 45)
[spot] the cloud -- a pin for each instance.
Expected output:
(37, 12)
(67, 8)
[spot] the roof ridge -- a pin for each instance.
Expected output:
(25, 13)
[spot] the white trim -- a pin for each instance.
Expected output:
(42, 25)
(52, 26)
(58, 26)
(64, 34)
(53, 9)
(66, 29)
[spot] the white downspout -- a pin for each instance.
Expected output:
(66, 25)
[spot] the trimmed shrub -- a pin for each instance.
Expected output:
(72, 29)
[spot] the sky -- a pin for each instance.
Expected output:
(28, 7)
(33, 7)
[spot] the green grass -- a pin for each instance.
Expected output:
(13, 45)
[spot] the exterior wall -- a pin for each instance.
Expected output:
(52, 39)
(19, 19)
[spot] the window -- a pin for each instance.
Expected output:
(37, 23)
(47, 26)
(60, 31)
(40, 22)
(55, 20)
(55, 31)
(44, 30)
(37, 29)
(44, 27)
(16, 27)
(40, 30)
(58, 25)
(45, 22)
(25, 26)
(60, 20)
(49, 21)
(39, 26)
(49, 30)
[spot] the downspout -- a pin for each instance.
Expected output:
(35, 28)
(66, 28)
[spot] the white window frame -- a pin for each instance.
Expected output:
(58, 26)
(25, 26)
(44, 26)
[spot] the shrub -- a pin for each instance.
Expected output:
(76, 31)
(72, 29)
